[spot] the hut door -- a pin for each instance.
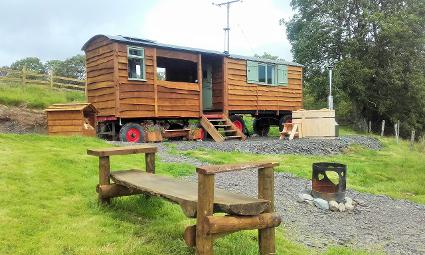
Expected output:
(207, 87)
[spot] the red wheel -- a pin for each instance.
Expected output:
(203, 134)
(238, 124)
(238, 121)
(132, 133)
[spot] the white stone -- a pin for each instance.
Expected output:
(304, 197)
(341, 207)
(349, 206)
(321, 203)
(348, 200)
(333, 205)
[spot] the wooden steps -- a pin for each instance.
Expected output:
(220, 127)
(186, 193)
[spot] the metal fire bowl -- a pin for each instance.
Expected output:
(325, 188)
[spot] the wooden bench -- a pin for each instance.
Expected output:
(199, 200)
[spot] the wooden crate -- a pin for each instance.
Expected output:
(316, 123)
(71, 119)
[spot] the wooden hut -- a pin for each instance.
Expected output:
(131, 80)
(71, 119)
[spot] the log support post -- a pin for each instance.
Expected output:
(266, 236)
(150, 162)
(204, 240)
(104, 172)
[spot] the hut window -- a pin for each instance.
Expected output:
(136, 63)
(269, 74)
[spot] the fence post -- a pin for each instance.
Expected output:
(24, 75)
(51, 79)
(398, 130)
(382, 127)
(395, 132)
(370, 127)
(412, 139)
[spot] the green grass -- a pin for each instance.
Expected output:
(36, 96)
(48, 205)
(395, 170)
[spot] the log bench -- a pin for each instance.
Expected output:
(197, 200)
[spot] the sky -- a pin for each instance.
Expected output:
(57, 29)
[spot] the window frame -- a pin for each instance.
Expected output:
(130, 56)
(275, 73)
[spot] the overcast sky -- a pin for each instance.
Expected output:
(57, 29)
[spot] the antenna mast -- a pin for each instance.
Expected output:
(227, 29)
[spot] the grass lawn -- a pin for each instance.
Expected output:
(48, 205)
(395, 170)
(36, 96)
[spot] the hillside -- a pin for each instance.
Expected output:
(21, 107)
(36, 96)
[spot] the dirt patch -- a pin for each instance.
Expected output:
(22, 120)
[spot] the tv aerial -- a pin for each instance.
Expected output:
(227, 28)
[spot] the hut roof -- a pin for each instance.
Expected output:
(71, 107)
(146, 42)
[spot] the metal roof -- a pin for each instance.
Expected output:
(146, 42)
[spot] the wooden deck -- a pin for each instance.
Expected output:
(186, 193)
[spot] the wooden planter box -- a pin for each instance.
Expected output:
(195, 134)
(153, 136)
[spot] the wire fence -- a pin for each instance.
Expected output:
(27, 77)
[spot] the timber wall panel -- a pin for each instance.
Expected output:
(101, 90)
(244, 96)
(137, 98)
(178, 99)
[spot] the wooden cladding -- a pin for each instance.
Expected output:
(243, 96)
(101, 92)
(113, 94)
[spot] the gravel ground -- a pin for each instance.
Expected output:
(377, 223)
(272, 145)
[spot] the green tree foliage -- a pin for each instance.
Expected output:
(378, 49)
(73, 67)
(31, 63)
(267, 56)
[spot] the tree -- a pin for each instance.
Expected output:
(267, 56)
(378, 49)
(31, 64)
(73, 67)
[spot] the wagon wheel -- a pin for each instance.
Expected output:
(132, 132)
(261, 127)
(239, 123)
(283, 120)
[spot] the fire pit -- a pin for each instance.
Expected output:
(325, 188)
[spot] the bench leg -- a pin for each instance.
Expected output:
(150, 162)
(204, 241)
(266, 237)
(104, 172)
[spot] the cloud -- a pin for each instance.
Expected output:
(254, 26)
(51, 29)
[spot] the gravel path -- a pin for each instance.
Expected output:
(272, 145)
(377, 223)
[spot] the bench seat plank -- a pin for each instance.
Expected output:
(186, 193)
(122, 150)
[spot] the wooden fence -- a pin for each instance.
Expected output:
(24, 76)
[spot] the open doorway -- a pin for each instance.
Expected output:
(212, 83)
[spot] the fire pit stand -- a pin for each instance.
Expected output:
(323, 187)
